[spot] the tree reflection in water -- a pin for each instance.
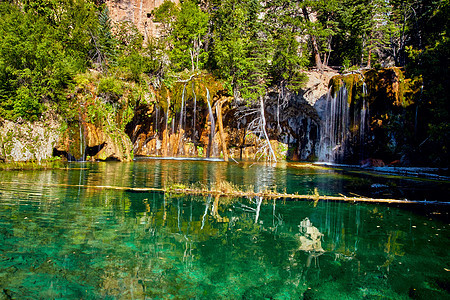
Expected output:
(65, 242)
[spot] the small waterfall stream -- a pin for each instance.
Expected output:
(82, 148)
(363, 121)
(195, 113)
(181, 128)
(213, 126)
(166, 131)
(156, 119)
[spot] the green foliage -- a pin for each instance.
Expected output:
(128, 37)
(26, 104)
(110, 89)
(241, 51)
(38, 56)
(134, 64)
(105, 54)
(429, 59)
(183, 28)
(188, 36)
(166, 14)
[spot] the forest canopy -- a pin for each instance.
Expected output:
(249, 45)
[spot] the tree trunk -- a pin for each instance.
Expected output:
(221, 131)
(317, 59)
(191, 52)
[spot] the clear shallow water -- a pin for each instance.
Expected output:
(75, 242)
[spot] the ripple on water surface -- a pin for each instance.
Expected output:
(60, 238)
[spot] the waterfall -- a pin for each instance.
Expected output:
(180, 124)
(335, 129)
(212, 127)
(167, 114)
(345, 125)
(195, 113)
(363, 126)
(173, 123)
(166, 131)
(156, 119)
(82, 141)
(278, 115)
(156, 130)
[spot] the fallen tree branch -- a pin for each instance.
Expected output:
(236, 193)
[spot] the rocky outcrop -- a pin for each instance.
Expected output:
(138, 12)
(27, 141)
(41, 140)
(317, 86)
(88, 142)
(292, 122)
(369, 114)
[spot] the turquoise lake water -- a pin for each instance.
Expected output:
(61, 237)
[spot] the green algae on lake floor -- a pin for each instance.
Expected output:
(71, 242)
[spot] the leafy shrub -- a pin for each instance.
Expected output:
(110, 89)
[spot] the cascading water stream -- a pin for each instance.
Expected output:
(181, 130)
(173, 123)
(213, 125)
(195, 113)
(166, 131)
(156, 119)
(82, 141)
(345, 126)
(156, 129)
(363, 121)
(335, 131)
(167, 114)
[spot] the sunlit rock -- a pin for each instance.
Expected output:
(28, 141)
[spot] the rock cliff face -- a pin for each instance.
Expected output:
(367, 115)
(28, 141)
(338, 118)
(295, 119)
(292, 122)
(41, 140)
(84, 141)
(138, 12)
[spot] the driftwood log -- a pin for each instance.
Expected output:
(238, 194)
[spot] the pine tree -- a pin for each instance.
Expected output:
(240, 49)
(188, 37)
